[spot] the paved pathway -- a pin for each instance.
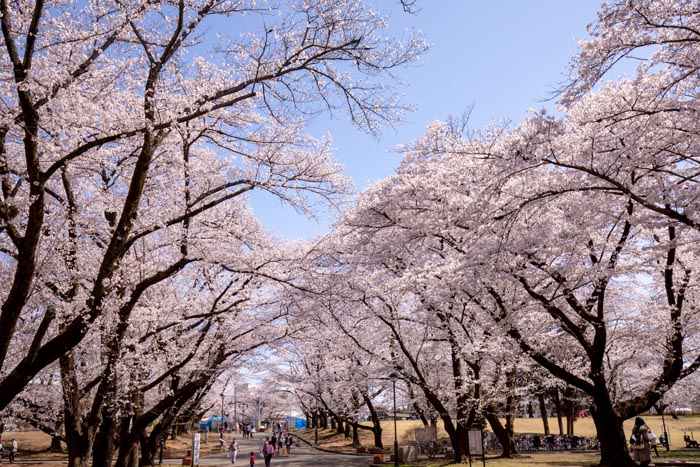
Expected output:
(301, 456)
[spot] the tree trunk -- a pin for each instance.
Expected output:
(103, 448)
(79, 450)
(334, 425)
(557, 405)
(149, 450)
(355, 436)
(151, 443)
(347, 430)
(56, 444)
(460, 441)
(570, 419)
(417, 408)
(570, 410)
(376, 423)
(543, 414)
(127, 442)
(613, 442)
(503, 434)
(79, 430)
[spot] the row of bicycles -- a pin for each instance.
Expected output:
(524, 443)
(549, 443)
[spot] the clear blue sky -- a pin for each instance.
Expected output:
(503, 56)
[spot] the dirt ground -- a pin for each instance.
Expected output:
(33, 445)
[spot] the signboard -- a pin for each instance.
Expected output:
(476, 443)
(195, 448)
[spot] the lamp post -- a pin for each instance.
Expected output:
(667, 442)
(316, 420)
(221, 424)
(243, 406)
(393, 377)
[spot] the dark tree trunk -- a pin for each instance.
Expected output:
(127, 443)
(460, 441)
(510, 402)
(504, 436)
(570, 418)
(558, 408)
(355, 436)
(149, 452)
(150, 443)
(79, 430)
(347, 430)
(103, 449)
(334, 425)
(79, 445)
(417, 408)
(376, 423)
(543, 413)
(56, 444)
(570, 398)
(613, 442)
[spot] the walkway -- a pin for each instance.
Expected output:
(301, 456)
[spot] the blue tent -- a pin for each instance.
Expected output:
(296, 423)
(213, 423)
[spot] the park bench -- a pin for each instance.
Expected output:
(690, 442)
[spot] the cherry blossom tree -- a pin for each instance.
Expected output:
(115, 141)
(573, 276)
(382, 271)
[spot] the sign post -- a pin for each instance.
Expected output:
(476, 444)
(195, 449)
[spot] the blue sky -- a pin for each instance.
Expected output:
(502, 56)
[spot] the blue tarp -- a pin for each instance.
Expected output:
(208, 423)
(297, 423)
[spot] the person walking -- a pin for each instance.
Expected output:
(252, 459)
(288, 443)
(233, 450)
(13, 450)
(639, 443)
(269, 451)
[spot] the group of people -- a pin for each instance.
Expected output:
(247, 431)
(274, 445)
(268, 448)
(14, 447)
